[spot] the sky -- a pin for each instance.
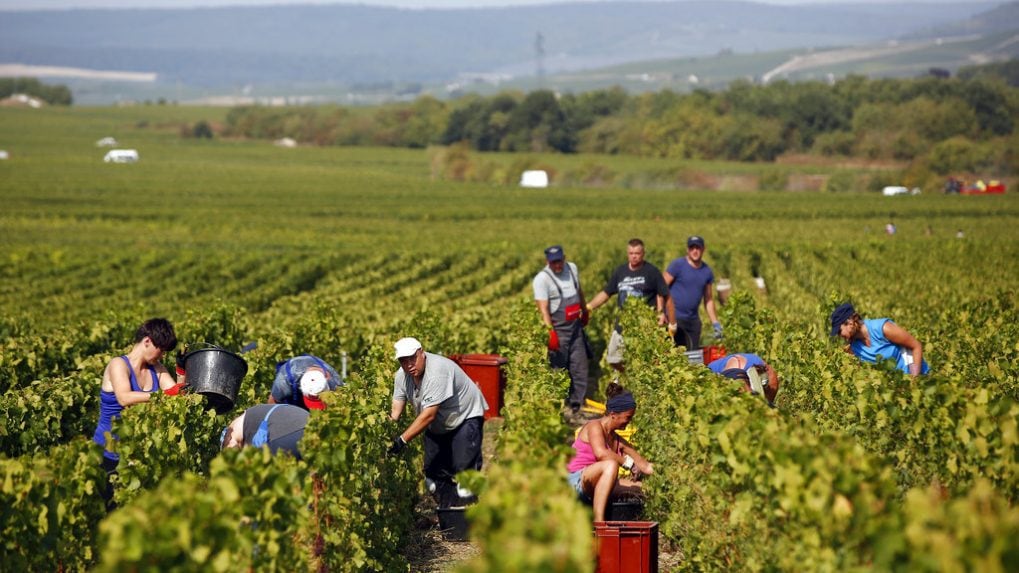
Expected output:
(63, 4)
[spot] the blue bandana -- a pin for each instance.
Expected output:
(620, 403)
(842, 313)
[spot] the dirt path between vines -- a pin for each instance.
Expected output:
(429, 552)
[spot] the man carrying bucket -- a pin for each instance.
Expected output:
(450, 414)
(132, 379)
(301, 379)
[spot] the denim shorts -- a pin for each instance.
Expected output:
(577, 482)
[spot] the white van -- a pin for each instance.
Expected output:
(121, 156)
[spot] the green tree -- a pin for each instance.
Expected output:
(539, 124)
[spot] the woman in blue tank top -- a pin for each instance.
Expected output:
(131, 379)
(878, 338)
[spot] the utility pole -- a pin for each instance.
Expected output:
(539, 58)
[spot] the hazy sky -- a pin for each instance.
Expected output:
(48, 4)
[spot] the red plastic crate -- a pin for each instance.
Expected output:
(486, 371)
(712, 353)
(627, 546)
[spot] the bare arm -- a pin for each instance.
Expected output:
(901, 337)
(397, 409)
(598, 300)
(546, 316)
(709, 303)
(166, 380)
(641, 464)
(120, 384)
(420, 423)
(669, 279)
(772, 390)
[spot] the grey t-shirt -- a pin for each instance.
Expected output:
(545, 288)
(446, 384)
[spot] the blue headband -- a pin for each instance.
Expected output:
(620, 403)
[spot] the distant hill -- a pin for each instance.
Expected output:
(344, 45)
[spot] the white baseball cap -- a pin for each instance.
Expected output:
(313, 382)
(406, 347)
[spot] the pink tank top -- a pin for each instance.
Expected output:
(584, 456)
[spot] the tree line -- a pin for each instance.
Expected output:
(53, 94)
(950, 124)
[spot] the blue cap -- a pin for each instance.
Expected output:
(554, 253)
(842, 313)
(695, 241)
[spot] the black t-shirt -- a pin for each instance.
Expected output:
(285, 420)
(646, 282)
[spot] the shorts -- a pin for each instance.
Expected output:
(614, 355)
(577, 482)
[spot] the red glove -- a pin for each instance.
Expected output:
(178, 388)
(553, 340)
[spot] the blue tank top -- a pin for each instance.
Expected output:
(882, 347)
(110, 408)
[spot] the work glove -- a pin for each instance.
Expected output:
(673, 329)
(398, 446)
(718, 329)
(553, 340)
(178, 388)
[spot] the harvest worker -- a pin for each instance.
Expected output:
(634, 278)
(450, 410)
(600, 452)
(876, 338)
(300, 380)
(279, 426)
(560, 301)
(757, 375)
(690, 279)
(132, 379)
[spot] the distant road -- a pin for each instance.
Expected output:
(21, 70)
(833, 57)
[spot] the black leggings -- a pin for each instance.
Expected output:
(110, 467)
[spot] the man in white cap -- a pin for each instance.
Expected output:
(449, 411)
(301, 379)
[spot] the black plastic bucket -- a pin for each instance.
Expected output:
(216, 374)
(624, 510)
(453, 523)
